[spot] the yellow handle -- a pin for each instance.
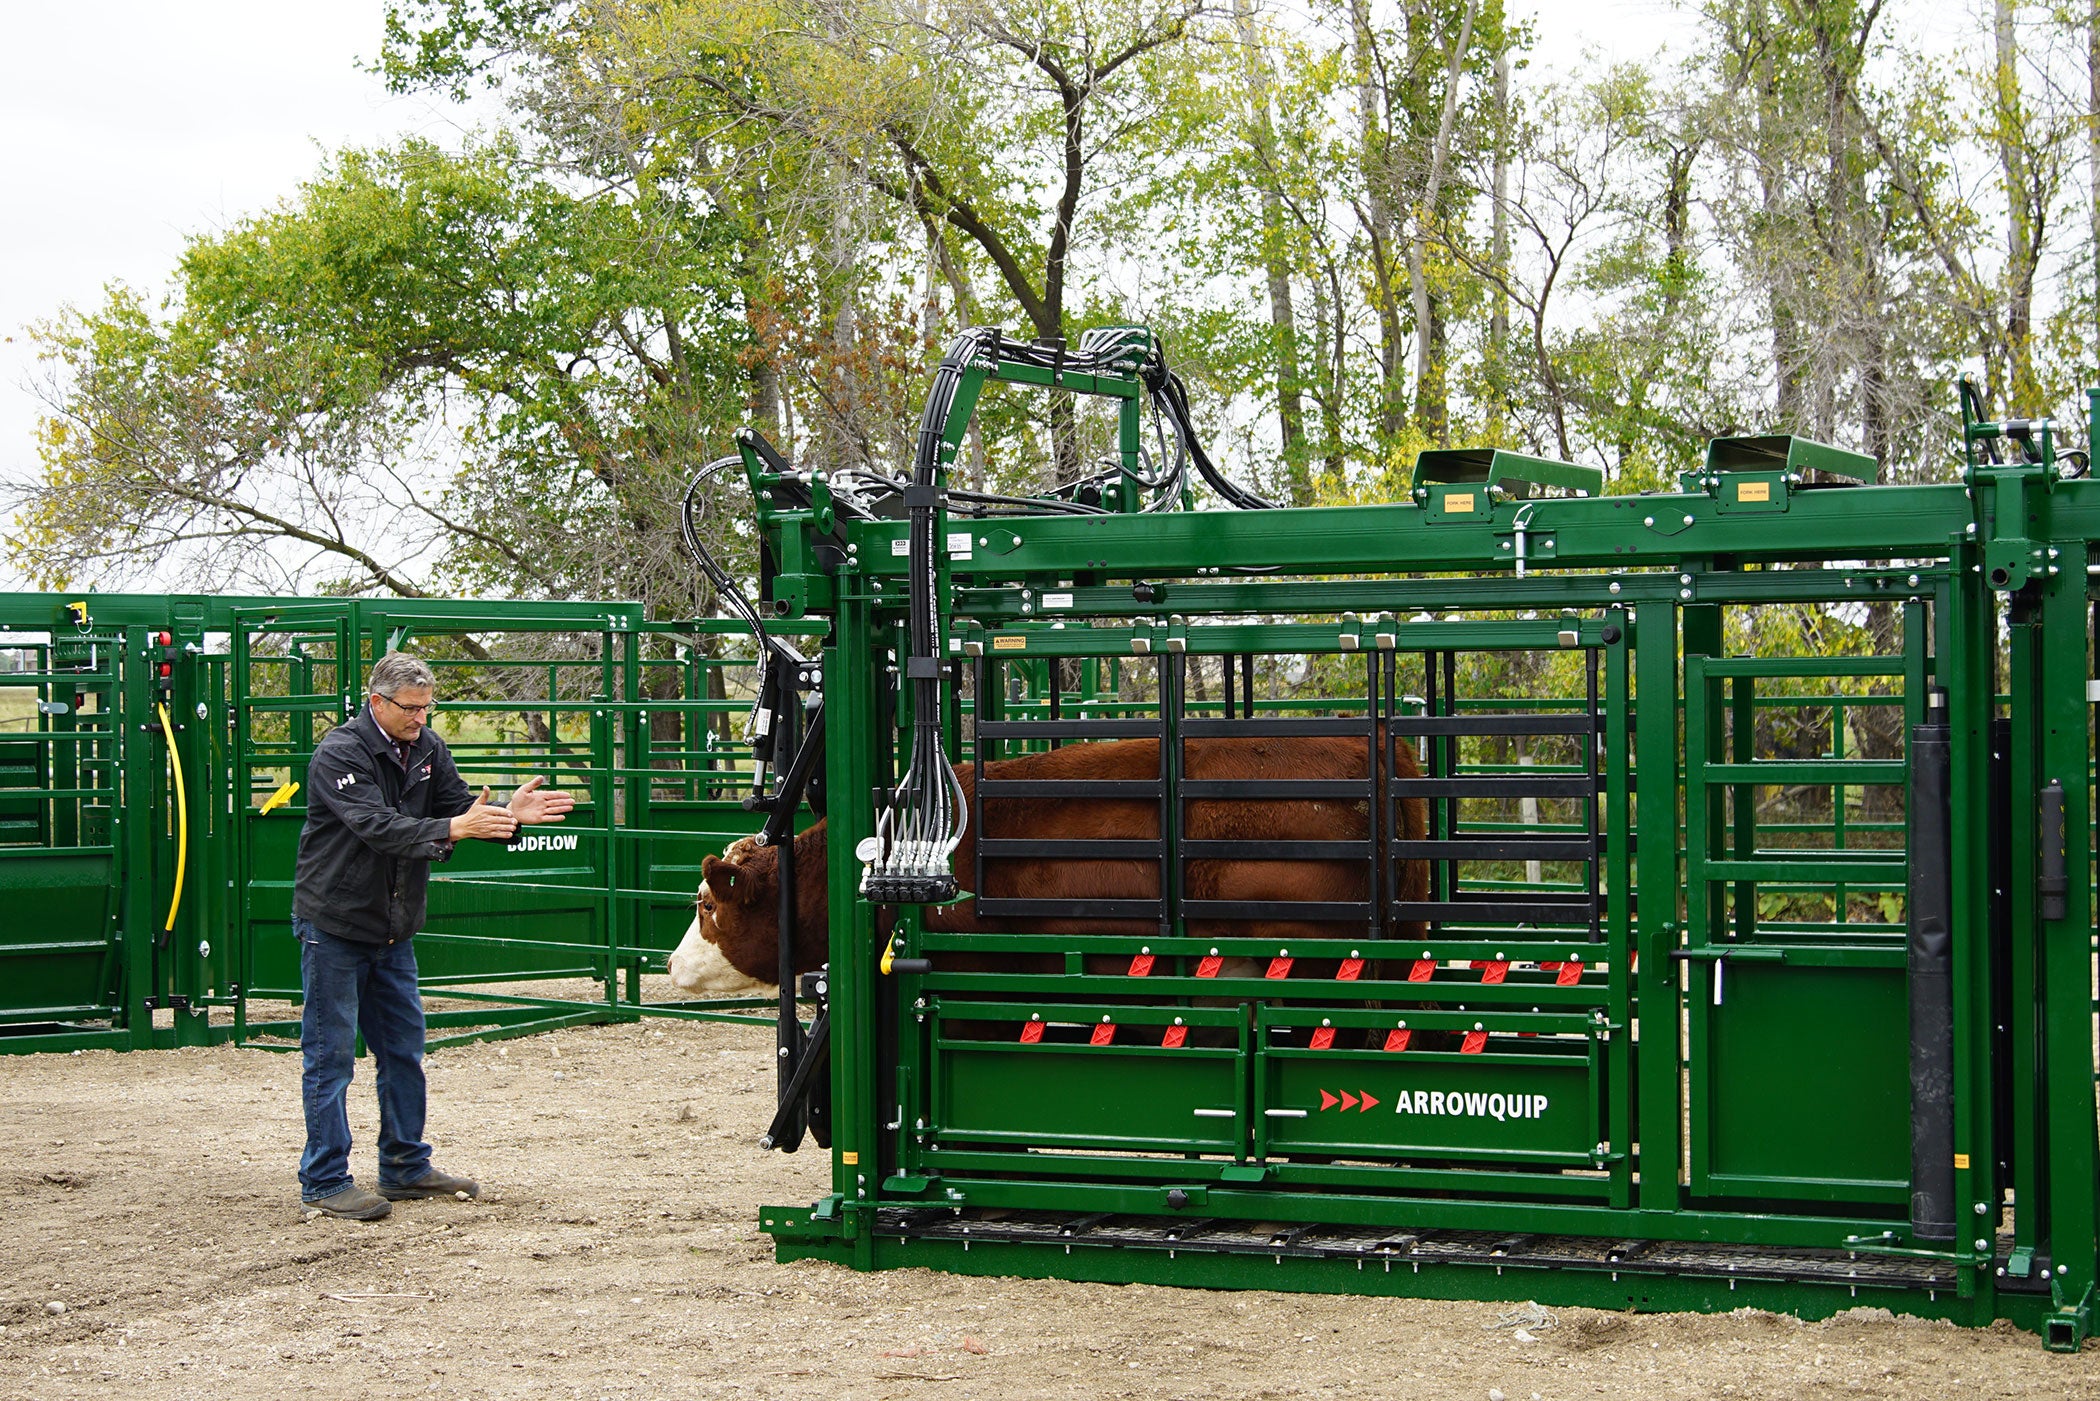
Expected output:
(889, 951)
(182, 816)
(278, 799)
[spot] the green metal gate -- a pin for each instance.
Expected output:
(135, 898)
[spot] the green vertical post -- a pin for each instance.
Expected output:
(240, 927)
(137, 810)
(1966, 638)
(605, 799)
(1618, 926)
(2066, 952)
(1743, 810)
(1840, 895)
(2030, 1197)
(1659, 1000)
(857, 1151)
(622, 839)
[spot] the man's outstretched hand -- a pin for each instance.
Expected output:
(531, 804)
(484, 820)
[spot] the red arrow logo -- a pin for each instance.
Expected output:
(1348, 1100)
(1328, 1101)
(1370, 1101)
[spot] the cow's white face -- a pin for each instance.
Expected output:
(698, 967)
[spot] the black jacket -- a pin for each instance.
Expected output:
(372, 830)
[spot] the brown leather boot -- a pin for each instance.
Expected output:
(431, 1184)
(353, 1203)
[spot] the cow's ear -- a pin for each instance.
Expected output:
(724, 878)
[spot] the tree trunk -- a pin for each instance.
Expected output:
(1787, 360)
(1498, 294)
(1432, 409)
(1374, 157)
(1326, 340)
(1283, 319)
(2020, 250)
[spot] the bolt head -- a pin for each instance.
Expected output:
(1982, 1244)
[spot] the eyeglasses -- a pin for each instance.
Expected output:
(423, 709)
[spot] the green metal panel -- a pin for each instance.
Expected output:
(1800, 1084)
(1134, 1098)
(91, 863)
(1507, 1108)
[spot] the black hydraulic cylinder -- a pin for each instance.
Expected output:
(1930, 967)
(2052, 882)
(790, 1120)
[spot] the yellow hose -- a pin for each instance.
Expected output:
(182, 816)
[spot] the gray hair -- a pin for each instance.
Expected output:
(397, 669)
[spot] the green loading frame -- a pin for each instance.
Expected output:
(1667, 1052)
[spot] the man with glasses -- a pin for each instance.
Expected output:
(384, 800)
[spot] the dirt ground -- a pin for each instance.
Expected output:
(616, 1254)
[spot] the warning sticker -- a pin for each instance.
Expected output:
(1057, 600)
(1011, 642)
(900, 548)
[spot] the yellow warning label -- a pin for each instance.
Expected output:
(1457, 502)
(1753, 491)
(1011, 642)
(1961, 1162)
(850, 1159)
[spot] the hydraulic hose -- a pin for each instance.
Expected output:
(182, 816)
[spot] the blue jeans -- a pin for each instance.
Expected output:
(350, 988)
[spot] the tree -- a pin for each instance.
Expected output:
(577, 358)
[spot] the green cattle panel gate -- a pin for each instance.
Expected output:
(1754, 968)
(130, 895)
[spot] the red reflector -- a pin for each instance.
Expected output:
(1323, 1037)
(1278, 968)
(1570, 973)
(1421, 970)
(1210, 965)
(1475, 1042)
(167, 669)
(1349, 970)
(1396, 1040)
(1176, 1036)
(166, 638)
(1140, 965)
(1492, 970)
(1104, 1033)
(1031, 1032)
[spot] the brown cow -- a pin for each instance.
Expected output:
(732, 947)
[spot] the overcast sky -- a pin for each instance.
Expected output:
(128, 126)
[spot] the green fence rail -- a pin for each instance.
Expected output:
(104, 946)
